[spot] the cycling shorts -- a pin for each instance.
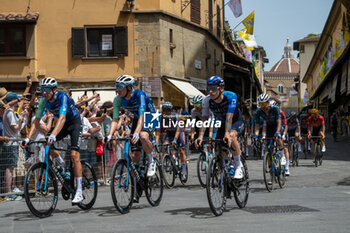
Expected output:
(72, 128)
(169, 137)
(238, 126)
(316, 131)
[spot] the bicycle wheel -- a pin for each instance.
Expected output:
(268, 172)
(282, 173)
(317, 153)
(215, 188)
(154, 187)
(40, 201)
(292, 152)
(183, 181)
(122, 187)
(168, 167)
(202, 167)
(241, 193)
(89, 185)
(296, 155)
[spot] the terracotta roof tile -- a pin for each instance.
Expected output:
(18, 17)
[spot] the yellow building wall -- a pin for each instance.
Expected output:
(53, 55)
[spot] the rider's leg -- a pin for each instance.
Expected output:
(148, 148)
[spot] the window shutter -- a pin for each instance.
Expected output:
(78, 42)
(121, 41)
(196, 11)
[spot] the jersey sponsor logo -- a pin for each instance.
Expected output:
(152, 120)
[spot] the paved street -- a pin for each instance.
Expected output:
(314, 200)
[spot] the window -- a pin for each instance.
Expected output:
(12, 40)
(196, 11)
(100, 42)
(280, 88)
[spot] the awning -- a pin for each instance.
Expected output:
(185, 87)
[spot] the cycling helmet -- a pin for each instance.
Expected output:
(167, 105)
(273, 102)
(314, 111)
(293, 114)
(48, 82)
(215, 80)
(263, 98)
(197, 99)
(125, 80)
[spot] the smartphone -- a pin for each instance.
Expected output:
(29, 77)
(85, 93)
(104, 110)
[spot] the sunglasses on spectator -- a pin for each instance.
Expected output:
(212, 88)
(45, 89)
(264, 104)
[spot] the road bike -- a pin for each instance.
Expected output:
(129, 180)
(220, 182)
(41, 184)
(318, 154)
(171, 166)
(272, 168)
(294, 151)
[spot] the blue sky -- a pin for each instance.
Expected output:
(275, 20)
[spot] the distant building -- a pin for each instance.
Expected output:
(281, 80)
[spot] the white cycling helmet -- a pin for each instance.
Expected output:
(48, 82)
(167, 105)
(125, 80)
(263, 98)
(198, 99)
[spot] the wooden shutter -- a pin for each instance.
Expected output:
(196, 11)
(78, 42)
(121, 41)
(218, 21)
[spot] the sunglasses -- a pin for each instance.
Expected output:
(45, 89)
(212, 88)
(197, 105)
(264, 104)
(119, 86)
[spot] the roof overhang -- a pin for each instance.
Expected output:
(28, 18)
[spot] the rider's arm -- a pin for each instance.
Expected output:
(62, 116)
(114, 124)
(228, 122)
(38, 115)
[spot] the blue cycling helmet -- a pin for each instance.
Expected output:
(215, 80)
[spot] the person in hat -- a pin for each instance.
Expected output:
(3, 138)
(3, 93)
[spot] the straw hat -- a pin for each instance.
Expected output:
(3, 93)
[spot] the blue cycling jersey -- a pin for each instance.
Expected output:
(137, 105)
(62, 105)
(260, 121)
(227, 105)
(271, 119)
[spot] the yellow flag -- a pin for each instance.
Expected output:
(243, 34)
(248, 22)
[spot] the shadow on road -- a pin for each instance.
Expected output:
(105, 211)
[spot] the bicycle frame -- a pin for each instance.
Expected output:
(271, 147)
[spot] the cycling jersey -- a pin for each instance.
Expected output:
(137, 105)
(293, 124)
(284, 121)
(63, 105)
(227, 105)
(270, 119)
(303, 119)
(316, 123)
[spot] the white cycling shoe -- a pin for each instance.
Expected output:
(238, 173)
(287, 172)
(323, 149)
(283, 160)
(78, 197)
(151, 169)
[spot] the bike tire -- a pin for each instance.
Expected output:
(169, 172)
(183, 181)
(292, 152)
(318, 151)
(215, 184)
(89, 186)
(282, 173)
(202, 168)
(155, 186)
(121, 188)
(31, 192)
(270, 171)
(241, 194)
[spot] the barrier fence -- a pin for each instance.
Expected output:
(15, 161)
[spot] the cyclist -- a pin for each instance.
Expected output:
(137, 102)
(316, 127)
(271, 116)
(224, 106)
(68, 123)
(303, 119)
(294, 130)
(175, 135)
